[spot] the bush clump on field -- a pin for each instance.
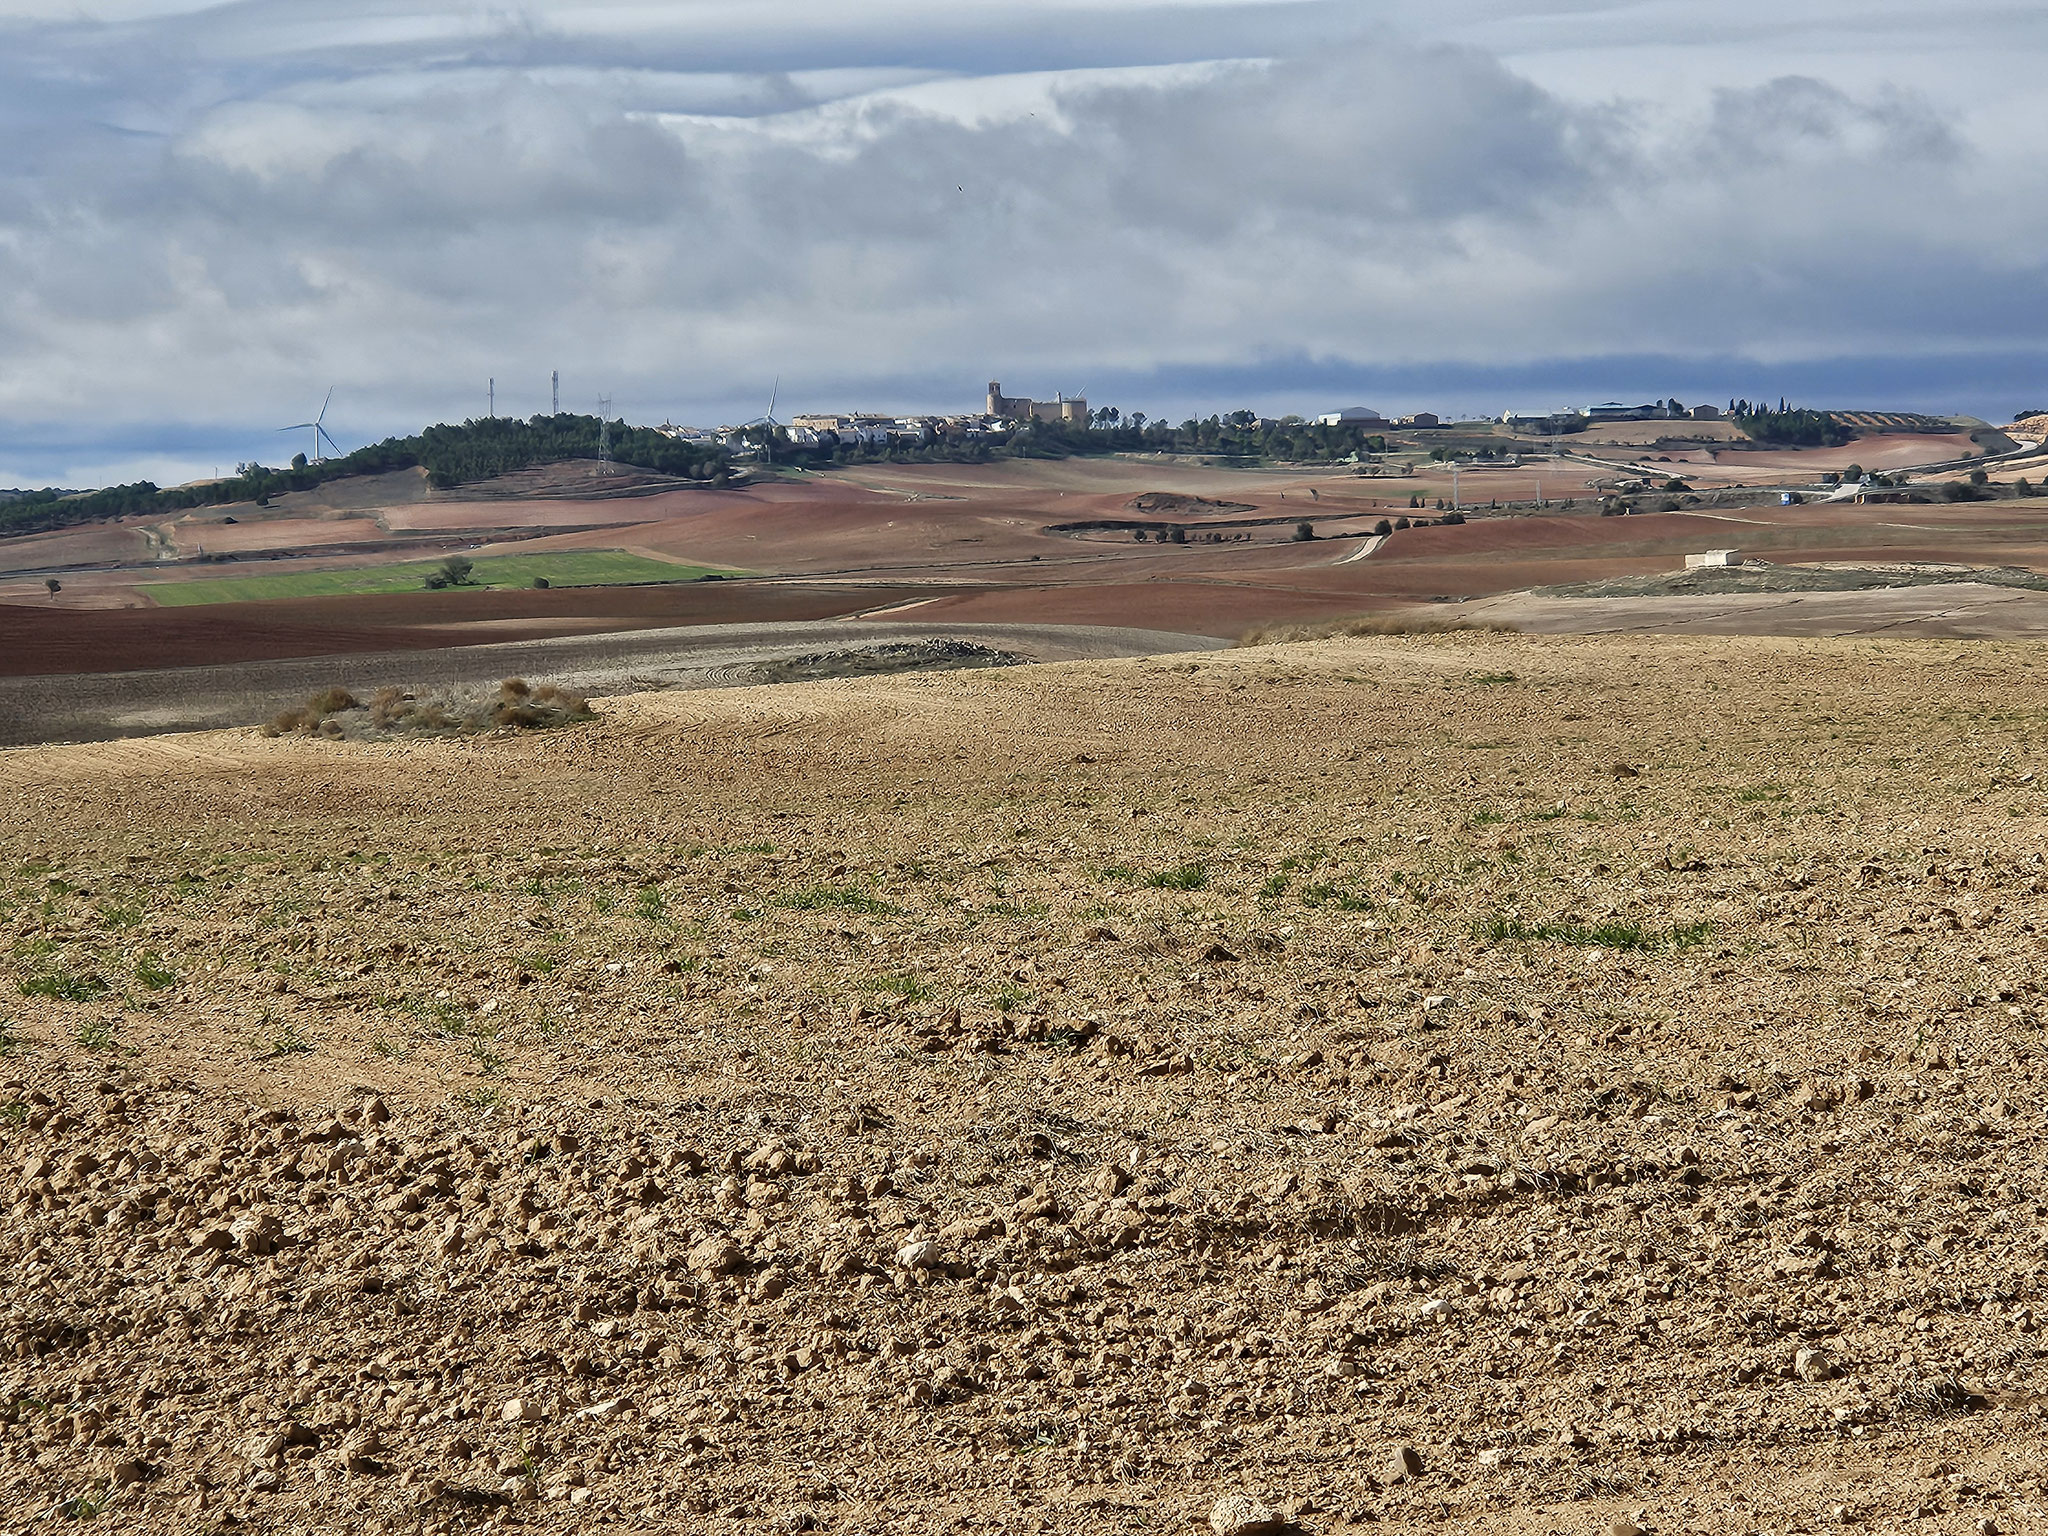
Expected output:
(395, 712)
(455, 571)
(311, 718)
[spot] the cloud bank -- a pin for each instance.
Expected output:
(209, 213)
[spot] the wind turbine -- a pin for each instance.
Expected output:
(318, 426)
(768, 423)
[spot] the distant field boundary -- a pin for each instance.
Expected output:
(576, 568)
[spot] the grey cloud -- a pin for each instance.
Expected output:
(404, 216)
(1797, 117)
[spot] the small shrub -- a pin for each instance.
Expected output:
(96, 1034)
(515, 688)
(152, 973)
(389, 707)
(329, 701)
(540, 583)
(287, 721)
(567, 700)
(1304, 532)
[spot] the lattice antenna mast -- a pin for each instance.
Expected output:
(604, 434)
(555, 391)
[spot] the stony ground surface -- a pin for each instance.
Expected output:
(1469, 1082)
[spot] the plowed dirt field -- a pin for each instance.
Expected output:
(1471, 1083)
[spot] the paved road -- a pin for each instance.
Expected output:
(106, 705)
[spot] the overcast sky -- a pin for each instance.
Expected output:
(210, 213)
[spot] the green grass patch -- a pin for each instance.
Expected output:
(274, 1040)
(152, 973)
(834, 898)
(1611, 934)
(573, 568)
(66, 986)
(1187, 877)
(908, 987)
(1325, 894)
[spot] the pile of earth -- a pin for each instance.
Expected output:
(1174, 504)
(879, 660)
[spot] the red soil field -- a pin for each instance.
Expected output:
(971, 539)
(39, 641)
(1186, 607)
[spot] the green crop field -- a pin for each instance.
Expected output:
(578, 568)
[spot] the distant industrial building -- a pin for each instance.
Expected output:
(1074, 411)
(1353, 416)
(1656, 410)
(1713, 558)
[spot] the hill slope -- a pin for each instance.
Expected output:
(1490, 1083)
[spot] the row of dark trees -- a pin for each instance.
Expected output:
(451, 455)
(1790, 426)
